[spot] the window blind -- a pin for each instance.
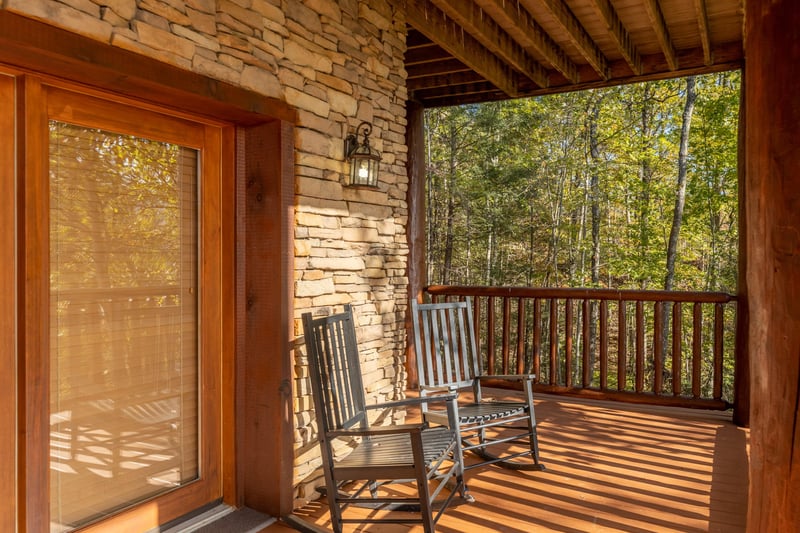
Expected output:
(123, 321)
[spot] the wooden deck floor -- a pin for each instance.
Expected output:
(610, 467)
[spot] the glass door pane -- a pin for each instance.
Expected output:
(124, 395)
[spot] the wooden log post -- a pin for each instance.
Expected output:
(415, 231)
(772, 225)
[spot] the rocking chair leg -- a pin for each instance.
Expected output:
(426, 510)
(465, 492)
(534, 440)
(336, 512)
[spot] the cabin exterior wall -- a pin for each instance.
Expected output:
(336, 63)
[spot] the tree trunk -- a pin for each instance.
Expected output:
(680, 193)
(450, 212)
(646, 176)
(594, 152)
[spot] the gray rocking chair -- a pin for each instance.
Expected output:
(448, 361)
(381, 455)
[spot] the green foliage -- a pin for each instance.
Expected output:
(510, 190)
(119, 208)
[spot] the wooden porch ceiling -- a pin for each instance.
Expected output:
(610, 467)
(467, 51)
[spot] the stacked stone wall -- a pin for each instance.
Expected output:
(338, 63)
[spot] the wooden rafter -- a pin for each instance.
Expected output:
(534, 36)
(620, 35)
(432, 22)
(427, 54)
(481, 89)
(436, 68)
(702, 22)
(443, 80)
(492, 36)
(662, 33)
(579, 36)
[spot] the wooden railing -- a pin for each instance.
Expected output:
(658, 347)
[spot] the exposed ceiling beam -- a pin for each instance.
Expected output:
(482, 89)
(514, 14)
(431, 21)
(426, 54)
(620, 35)
(579, 36)
(702, 22)
(448, 66)
(660, 27)
(443, 80)
(492, 36)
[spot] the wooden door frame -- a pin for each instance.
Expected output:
(8, 311)
(256, 374)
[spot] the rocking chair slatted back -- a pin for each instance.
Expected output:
(341, 394)
(449, 353)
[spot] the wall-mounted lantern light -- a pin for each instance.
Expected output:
(364, 160)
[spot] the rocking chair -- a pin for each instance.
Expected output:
(448, 361)
(379, 455)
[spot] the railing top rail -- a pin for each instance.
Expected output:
(582, 293)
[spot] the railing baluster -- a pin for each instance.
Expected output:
(537, 338)
(639, 346)
(521, 336)
(568, 342)
(553, 342)
(604, 344)
(697, 347)
(622, 347)
(587, 345)
(718, 344)
(506, 328)
(490, 335)
(476, 319)
(658, 348)
(677, 321)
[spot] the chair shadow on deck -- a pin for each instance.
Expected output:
(611, 467)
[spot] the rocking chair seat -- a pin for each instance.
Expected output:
(481, 413)
(394, 451)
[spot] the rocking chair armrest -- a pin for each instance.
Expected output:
(438, 389)
(414, 401)
(508, 377)
(378, 430)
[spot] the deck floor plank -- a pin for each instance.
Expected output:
(610, 468)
